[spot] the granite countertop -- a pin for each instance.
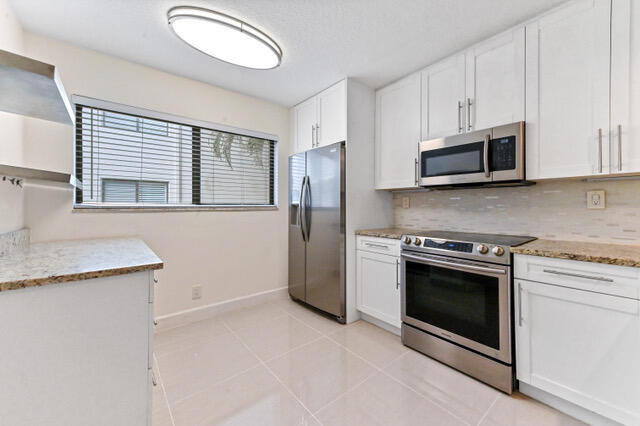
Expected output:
(611, 254)
(62, 261)
(391, 233)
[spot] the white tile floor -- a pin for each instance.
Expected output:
(280, 363)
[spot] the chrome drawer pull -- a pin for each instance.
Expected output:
(570, 274)
(377, 245)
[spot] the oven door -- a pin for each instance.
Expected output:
(462, 301)
(456, 160)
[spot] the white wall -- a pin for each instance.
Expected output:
(231, 254)
(11, 197)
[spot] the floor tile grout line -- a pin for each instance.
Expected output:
(486, 413)
(402, 383)
(258, 363)
(277, 378)
(367, 377)
(164, 391)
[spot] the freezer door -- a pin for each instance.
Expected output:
(325, 234)
(297, 245)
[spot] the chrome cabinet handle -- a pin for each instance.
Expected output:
(520, 304)
(600, 150)
(415, 172)
(469, 103)
(317, 135)
(619, 147)
(570, 274)
(397, 273)
(487, 139)
(313, 135)
(459, 117)
(377, 245)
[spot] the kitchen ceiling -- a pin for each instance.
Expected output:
(374, 41)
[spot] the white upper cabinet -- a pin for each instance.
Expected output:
(443, 98)
(332, 115)
(321, 120)
(305, 117)
(495, 81)
(397, 134)
(567, 91)
(625, 87)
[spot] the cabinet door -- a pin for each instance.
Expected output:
(332, 114)
(398, 134)
(625, 87)
(567, 91)
(581, 346)
(305, 116)
(378, 286)
(443, 101)
(495, 81)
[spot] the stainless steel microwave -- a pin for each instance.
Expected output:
(487, 156)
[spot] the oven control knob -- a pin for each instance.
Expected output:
(482, 249)
(417, 241)
(407, 240)
(498, 251)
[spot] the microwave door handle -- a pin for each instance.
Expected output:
(454, 265)
(487, 172)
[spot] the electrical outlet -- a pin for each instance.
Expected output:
(196, 292)
(595, 200)
(405, 202)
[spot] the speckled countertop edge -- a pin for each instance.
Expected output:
(41, 264)
(391, 233)
(610, 254)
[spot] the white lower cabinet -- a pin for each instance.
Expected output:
(579, 344)
(77, 353)
(378, 282)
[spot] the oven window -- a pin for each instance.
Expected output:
(455, 160)
(463, 303)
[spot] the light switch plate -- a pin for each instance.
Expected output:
(405, 202)
(595, 200)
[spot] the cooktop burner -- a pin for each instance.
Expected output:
(493, 248)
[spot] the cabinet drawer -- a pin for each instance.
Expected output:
(607, 279)
(379, 245)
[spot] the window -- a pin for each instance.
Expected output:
(129, 157)
(134, 191)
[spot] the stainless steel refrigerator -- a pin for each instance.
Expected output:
(317, 228)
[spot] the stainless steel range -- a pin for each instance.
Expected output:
(457, 301)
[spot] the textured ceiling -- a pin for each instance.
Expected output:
(375, 41)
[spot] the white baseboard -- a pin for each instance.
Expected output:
(566, 407)
(381, 324)
(200, 313)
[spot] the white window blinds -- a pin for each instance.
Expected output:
(125, 159)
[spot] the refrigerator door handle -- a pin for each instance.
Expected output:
(307, 201)
(301, 207)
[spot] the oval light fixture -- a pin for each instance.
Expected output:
(224, 37)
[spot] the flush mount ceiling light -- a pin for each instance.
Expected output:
(224, 37)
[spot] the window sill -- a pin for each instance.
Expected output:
(78, 208)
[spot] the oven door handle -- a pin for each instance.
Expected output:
(455, 264)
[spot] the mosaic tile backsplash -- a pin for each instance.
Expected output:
(554, 210)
